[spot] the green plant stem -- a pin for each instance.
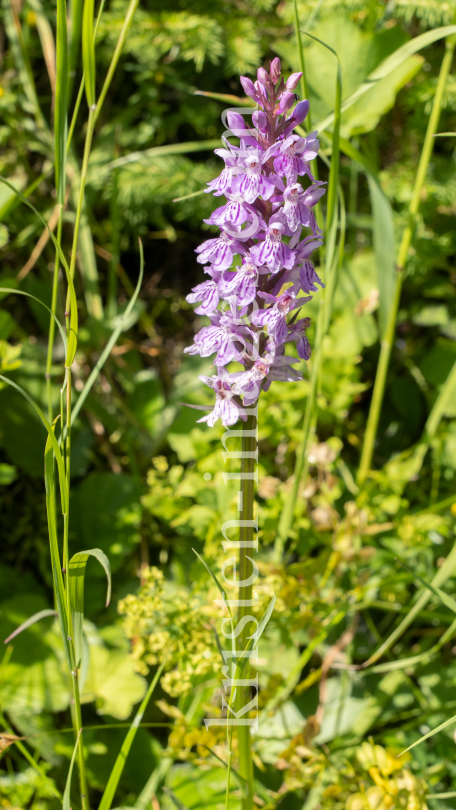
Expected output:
(302, 61)
(245, 595)
(55, 284)
(390, 330)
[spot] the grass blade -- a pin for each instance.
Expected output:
(61, 101)
(28, 295)
(42, 614)
(441, 576)
(51, 438)
(384, 248)
(73, 333)
(116, 773)
(116, 55)
(88, 51)
(112, 340)
(444, 597)
(209, 569)
(77, 568)
(430, 734)
(169, 149)
(66, 795)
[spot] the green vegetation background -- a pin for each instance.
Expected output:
(139, 458)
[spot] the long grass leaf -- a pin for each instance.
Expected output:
(441, 576)
(112, 340)
(444, 597)
(388, 66)
(169, 149)
(42, 614)
(88, 51)
(75, 30)
(59, 589)
(116, 773)
(61, 101)
(430, 734)
(73, 333)
(227, 98)
(128, 19)
(209, 569)
(77, 569)
(29, 295)
(384, 248)
(51, 438)
(66, 795)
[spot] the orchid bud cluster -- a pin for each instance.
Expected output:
(259, 264)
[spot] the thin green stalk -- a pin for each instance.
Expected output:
(302, 61)
(389, 335)
(55, 284)
(323, 319)
(115, 249)
(245, 595)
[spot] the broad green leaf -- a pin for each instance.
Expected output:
(112, 682)
(66, 795)
(77, 567)
(42, 614)
(112, 340)
(390, 64)
(88, 51)
(116, 773)
(61, 101)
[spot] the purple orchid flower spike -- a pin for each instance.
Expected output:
(268, 221)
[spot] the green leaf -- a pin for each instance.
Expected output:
(51, 439)
(444, 597)
(61, 101)
(388, 65)
(112, 682)
(222, 591)
(384, 247)
(77, 567)
(175, 800)
(66, 795)
(42, 614)
(88, 51)
(22, 292)
(116, 773)
(441, 576)
(430, 734)
(73, 336)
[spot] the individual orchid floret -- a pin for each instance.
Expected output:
(241, 285)
(293, 81)
(260, 121)
(226, 408)
(248, 385)
(275, 70)
(308, 277)
(274, 318)
(297, 204)
(281, 369)
(234, 212)
(263, 77)
(295, 154)
(225, 336)
(222, 184)
(219, 251)
(208, 294)
(297, 334)
(273, 252)
(253, 184)
(249, 89)
(286, 102)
